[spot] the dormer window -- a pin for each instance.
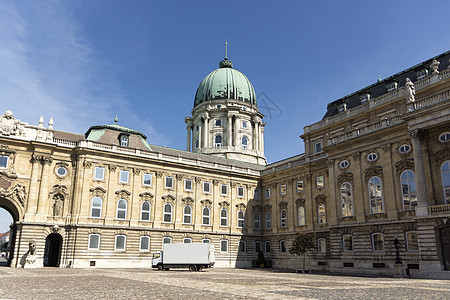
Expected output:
(317, 147)
(422, 74)
(391, 86)
(342, 107)
(124, 139)
(364, 98)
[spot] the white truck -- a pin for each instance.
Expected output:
(194, 256)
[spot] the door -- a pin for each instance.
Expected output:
(52, 254)
(445, 242)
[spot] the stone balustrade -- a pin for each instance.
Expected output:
(439, 209)
(427, 101)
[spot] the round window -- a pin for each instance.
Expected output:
(404, 148)
(61, 171)
(445, 137)
(219, 106)
(344, 164)
(372, 157)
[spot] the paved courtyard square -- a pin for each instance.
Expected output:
(216, 283)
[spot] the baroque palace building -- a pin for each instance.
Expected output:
(373, 185)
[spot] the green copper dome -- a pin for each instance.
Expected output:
(225, 83)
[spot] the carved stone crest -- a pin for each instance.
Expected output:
(9, 125)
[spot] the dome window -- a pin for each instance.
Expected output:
(372, 157)
(61, 171)
(404, 149)
(219, 106)
(244, 142)
(344, 164)
(244, 108)
(218, 123)
(244, 124)
(218, 141)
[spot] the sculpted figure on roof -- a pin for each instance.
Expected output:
(410, 90)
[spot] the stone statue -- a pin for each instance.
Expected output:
(20, 193)
(410, 90)
(58, 205)
(434, 67)
(31, 253)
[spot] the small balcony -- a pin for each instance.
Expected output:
(443, 209)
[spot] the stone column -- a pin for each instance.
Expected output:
(422, 199)
(188, 141)
(261, 138)
(205, 131)
(43, 191)
(257, 136)
(200, 135)
(32, 193)
(230, 131)
(236, 130)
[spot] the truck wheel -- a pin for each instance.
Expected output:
(192, 268)
(199, 267)
(160, 267)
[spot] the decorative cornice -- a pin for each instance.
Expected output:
(97, 190)
(320, 199)
(168, 197)
(206, 202)
(373, 171)
(146, 195)
(404, 164)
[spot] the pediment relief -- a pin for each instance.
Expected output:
(404, 164)
(59, 189)
(146, 195)
(122, 193)
(188, 200)
(345, 177)
(98, 190)
(320, 199)
(168, 197)
(374, 171)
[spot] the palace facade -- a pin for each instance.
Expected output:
(373, 185)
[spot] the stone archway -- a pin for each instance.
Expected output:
(52, 252)
(16, 213)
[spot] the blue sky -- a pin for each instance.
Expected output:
(83, 62)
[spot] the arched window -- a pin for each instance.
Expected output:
(282, 246)
(96, 207)
(409, 193)
(206, 216)
(240, 219)
(242, 247)
(267, 247)
(346, 199)
(445, 174)
(187, 240)
(145, 211)
(224, 217)
(321, 214)
(121, 209)
(218, 141)
(283, 218)
(167, 240)
(167, 218)
(187, 214)
(244, 142)
(301, 216)
(257, 221)
(196, 144)
(268, 220)
(375, 195)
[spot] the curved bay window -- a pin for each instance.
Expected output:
(375, 195)
(346, 200)
(409, 192)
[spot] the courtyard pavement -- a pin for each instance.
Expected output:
(55, 283)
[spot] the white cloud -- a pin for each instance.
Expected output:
(47, 67)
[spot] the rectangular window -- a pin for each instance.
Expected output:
(3, 162)
(206, 241)
(167, 240)
(187, 240)
(188, 184)
(224, 246)
(145, 243)
(267, 193)
(94, 242)
(320, 182)
(124, 141)
(218, 123)
(240, 191)
(99, 173)
(267, 247)
(124, 176)
(206, 187)
(412, 243)
(364, 98)
(300, 186)
(256, 194)
(422, 74)
(244, 124)
(120, 242)
(377, 242)
(168, 182)
(321, 246)
(147, 179)
(282, 190)
(347, 243)
(391, 86)
(317, 147)
(224, 190)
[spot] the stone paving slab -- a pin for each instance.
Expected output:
(54, 283)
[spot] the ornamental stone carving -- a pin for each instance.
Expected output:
(241, 205)
(404, 164)
(434, 67)
(206, 202)
(97, 191)
(300, 202)
(146, 195)
(187, 200)
(345, 177)
(18, 193)
(224, 204)
(410, 90)
(58, 204)
(9, 125)
(122, 193)
(416, 134)
(267, 207)
(374, 171)
(168, 197)
(320, 199)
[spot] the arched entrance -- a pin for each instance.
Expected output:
(52, 253)
(445, 242)
(9, 207)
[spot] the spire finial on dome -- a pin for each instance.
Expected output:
(116, 119)
(226, 49)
